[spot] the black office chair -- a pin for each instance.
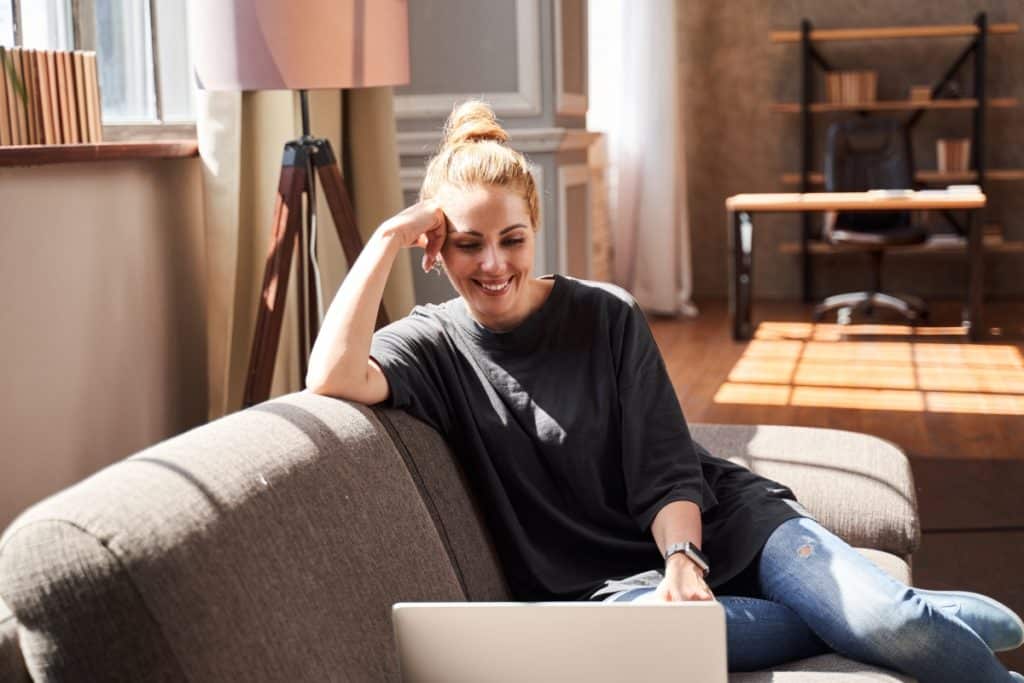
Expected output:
(870, 154)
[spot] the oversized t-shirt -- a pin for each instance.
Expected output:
(571, 435)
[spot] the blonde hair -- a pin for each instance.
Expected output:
(474, 152)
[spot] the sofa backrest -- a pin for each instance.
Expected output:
(267, 545)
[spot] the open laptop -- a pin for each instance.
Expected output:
(492, 642)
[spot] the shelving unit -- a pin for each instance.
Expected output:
(978, 104)
(897, 105)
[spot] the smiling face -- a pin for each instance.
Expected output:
(488, 253)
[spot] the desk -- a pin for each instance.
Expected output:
(740, 208)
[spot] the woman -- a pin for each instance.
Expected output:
(554, 396)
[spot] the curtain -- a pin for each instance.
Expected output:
(241, 138)
(635, 100)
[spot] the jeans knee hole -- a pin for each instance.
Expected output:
(805, 551)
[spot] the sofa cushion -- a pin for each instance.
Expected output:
(12, 666)
(894, 566)
(445, 490)
(819, 669)
(858, 486)
(266, 546)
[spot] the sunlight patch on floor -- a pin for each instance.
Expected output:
(829, 366)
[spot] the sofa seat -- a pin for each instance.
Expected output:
(270, 545)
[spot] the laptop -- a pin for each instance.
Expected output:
(591, 642)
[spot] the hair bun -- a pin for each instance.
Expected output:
(473, 121)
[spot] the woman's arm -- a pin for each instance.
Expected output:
(339, 364)
(677, 522)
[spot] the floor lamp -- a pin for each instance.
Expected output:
(299, 45)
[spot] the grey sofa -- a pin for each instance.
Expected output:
(269, 546)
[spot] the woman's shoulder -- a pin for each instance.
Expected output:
(423, 320)
(604, 294)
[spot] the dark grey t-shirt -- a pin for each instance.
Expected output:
(570, 432)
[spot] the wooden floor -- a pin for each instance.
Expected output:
(955, 407)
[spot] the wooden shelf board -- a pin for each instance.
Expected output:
(890, 32)
(33, 155)
(896, 105)
(991, 247)
(947, 177)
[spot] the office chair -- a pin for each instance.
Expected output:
(870, 154)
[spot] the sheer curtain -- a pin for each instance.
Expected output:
(241, 138)
(635, 101)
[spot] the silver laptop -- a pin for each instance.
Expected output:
(491, 642)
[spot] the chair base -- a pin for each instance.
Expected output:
(910, 307)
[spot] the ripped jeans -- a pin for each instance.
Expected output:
(820, 595)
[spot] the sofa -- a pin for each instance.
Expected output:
(269, 545)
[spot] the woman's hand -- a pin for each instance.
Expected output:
(423, 225)
(683, 580)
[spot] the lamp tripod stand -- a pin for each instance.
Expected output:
(301, 158)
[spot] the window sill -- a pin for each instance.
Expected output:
(35, 155)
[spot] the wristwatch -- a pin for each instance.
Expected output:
(692, 552)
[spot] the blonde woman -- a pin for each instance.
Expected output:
(555, 398)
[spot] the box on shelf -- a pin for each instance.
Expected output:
(953, 154)
(920, 93)
(851, 87)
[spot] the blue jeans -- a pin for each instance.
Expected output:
(820, 595)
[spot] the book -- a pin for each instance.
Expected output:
(62, 98)
(83, 113)
(19, 118)
(35, 119)
(45, 110)
(51, 70)
(5, 122)
(93, 85)
(69, 71)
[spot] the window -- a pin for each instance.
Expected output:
(141, 50)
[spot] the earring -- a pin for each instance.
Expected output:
(438, 267)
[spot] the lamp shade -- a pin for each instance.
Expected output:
(299, 44)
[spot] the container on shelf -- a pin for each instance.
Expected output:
(920, 93)
(953, 154)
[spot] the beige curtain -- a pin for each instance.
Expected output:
(241, 137)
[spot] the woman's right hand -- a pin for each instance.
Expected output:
(420, 225)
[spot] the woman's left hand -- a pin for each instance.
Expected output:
(683, 580)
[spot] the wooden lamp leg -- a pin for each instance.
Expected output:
(290, 234)
(287, 224)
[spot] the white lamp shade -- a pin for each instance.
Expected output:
(299, 44)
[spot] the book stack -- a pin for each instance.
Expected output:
(851, 87)
(49, 97)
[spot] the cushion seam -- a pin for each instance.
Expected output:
(417, 477)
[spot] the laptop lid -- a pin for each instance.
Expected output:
(497, 642)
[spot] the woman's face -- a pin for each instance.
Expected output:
(488, 252)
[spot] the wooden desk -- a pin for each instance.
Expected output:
(740, 226)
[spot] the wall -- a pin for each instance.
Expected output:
(731, 74)
(103, 326)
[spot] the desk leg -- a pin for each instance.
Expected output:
(973, 319)
(741, 236)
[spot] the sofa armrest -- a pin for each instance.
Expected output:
(858, 486)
